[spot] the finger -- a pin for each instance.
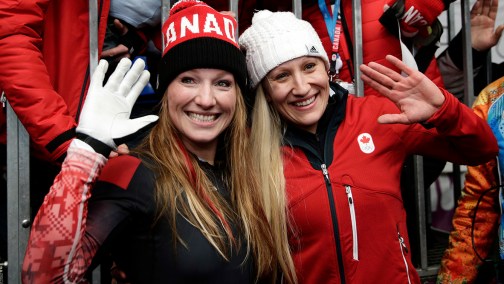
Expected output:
(131, 77)
(99, 73)
(374, 84)
(117, 76)
(128, 127)
(486, 7)
(476, 9)
(393, 118)
(498, 33)
(115, 51)
(399, 64)
(392, 74)
(494, 9)
(137, 88)
(120, 26)
(113, 154)
(123, 149)
(377, 74)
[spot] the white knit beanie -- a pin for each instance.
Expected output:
(275, 38)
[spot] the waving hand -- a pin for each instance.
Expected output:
(415, 95)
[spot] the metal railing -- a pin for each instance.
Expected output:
(18, 187)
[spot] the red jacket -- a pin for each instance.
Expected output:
(347, 214)
(44, 73)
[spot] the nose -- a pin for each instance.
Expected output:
(300, 86)
(205, 97)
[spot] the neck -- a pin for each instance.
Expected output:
(205, 151)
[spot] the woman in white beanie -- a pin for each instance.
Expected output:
(185, 207)
(335, 160)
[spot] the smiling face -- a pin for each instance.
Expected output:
(201, 104)
(299, 89)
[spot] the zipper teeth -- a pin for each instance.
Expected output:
(350, 199)
(402, 246)
(334, 219)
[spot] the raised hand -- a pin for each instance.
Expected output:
(484, 34)
(105, 117)
(415, 95)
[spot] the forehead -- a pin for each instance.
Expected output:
(300, 61)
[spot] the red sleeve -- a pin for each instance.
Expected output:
(458, 136)
(24, 76)
(59, 250)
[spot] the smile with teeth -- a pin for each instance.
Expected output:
(202, 117)
(305, 102)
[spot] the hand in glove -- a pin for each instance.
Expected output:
(105, 118)
(416, 17)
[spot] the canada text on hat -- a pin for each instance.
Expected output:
(198, 20)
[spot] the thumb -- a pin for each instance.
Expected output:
(99, 73)
(393, 118)
(498, 33)
(131, 127)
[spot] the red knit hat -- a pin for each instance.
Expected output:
(197, 36)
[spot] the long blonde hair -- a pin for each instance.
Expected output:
(266, 142)
(182, 187)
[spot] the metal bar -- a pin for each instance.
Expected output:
(18, 195)
(93, 63)
(422, 221)
(357, 48)
(233, 7)
(297, 8)
(451, 23)
(429, 271)
(467, 52)
(165, 12)
(93, 35)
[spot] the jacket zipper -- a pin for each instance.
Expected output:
(334, 222)
(348, 190)
(404, 250)
(3, 99)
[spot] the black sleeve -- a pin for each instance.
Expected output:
(122, 194)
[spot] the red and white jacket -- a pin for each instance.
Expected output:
(45, 66)
(348, 223)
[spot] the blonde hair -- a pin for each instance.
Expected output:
(266, 142)
(182, 187)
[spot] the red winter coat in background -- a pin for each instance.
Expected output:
(44, 63)
(377, 41)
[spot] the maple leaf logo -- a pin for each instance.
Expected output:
(365, 139)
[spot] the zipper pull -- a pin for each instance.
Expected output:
(401, 240)
(3, 99)
(325, 172)
(349, 194)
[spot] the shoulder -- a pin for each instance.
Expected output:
(490, 95)
(120, 170)
(127, 180)
(125, 177)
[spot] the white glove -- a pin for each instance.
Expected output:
(105, 116)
